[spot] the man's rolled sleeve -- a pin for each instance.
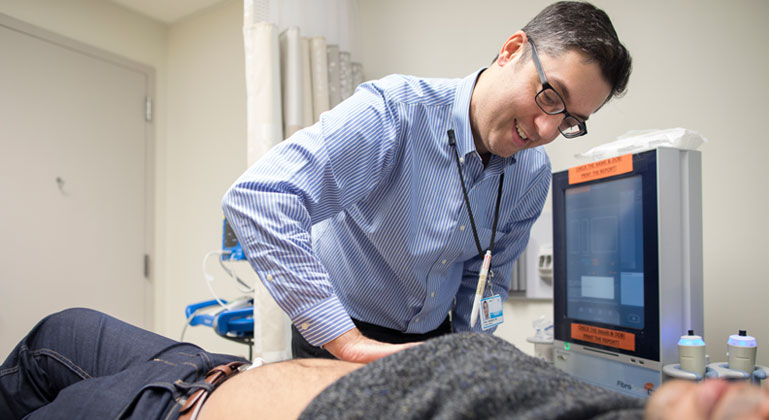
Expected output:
(323, 322)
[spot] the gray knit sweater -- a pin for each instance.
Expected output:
(466, 376)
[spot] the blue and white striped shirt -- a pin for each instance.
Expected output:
(377, 182)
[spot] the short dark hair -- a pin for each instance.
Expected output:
(581, 26)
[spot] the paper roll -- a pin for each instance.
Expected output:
(346, 76)
(333, 61)
(357, 70)
(320, 73)
(291, 80)
(307, 85)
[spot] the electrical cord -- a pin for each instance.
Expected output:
(210, 279)
(187, 324)
(246, 288)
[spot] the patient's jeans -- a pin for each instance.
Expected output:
(81, 364)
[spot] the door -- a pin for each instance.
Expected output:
(73, 181)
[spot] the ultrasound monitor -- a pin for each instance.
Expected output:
(627, 266)
(604, 253)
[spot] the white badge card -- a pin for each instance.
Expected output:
(491, 312)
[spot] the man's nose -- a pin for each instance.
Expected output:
(548, 126)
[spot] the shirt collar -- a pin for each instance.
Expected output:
(461, 121)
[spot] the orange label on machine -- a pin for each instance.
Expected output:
(604, 336)
(601, 169)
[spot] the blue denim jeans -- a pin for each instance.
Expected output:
(82, 364)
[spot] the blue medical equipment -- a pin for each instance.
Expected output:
(231, 323)
(234, 321)
(628, 266)
(231, 248)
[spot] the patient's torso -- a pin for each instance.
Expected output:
(273, 391)
(458, 376)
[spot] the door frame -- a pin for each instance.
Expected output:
(149, 141)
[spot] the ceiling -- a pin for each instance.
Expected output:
(167, 11)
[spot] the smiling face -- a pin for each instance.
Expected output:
(504, 115)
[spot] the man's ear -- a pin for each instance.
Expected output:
(512, 48)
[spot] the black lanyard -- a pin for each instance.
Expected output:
(452, 142)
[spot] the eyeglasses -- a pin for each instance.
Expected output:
(549, 100)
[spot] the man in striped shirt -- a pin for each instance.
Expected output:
(370, 228)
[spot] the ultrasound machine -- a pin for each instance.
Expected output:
(628, 267)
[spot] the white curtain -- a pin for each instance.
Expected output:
(263, 89)
(300, 62)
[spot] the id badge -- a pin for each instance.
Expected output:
(491, 312)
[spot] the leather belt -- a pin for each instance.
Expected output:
(214, 377)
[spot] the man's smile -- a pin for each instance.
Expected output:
(519, 137)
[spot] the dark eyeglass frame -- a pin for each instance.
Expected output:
(569, 120)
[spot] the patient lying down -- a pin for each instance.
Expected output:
(392, 389)
(83, 364)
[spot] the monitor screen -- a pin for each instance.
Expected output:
(605, 249)
(605, 262)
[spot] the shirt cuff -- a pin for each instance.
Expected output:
(323, 322)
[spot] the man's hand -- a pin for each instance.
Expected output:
(352, 346)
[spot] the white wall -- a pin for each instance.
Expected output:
(206, 152)
(702, 65)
